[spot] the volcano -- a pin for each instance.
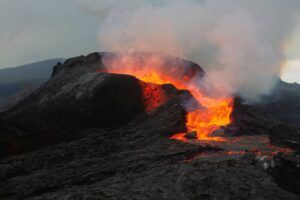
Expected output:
(142, 126)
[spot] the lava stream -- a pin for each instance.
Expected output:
(216, 111)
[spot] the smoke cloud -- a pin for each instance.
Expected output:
(239, 43)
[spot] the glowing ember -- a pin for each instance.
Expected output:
(153, 96)
(215, 112)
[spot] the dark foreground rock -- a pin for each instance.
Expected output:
(135, 162)
(284, 135)
(283, 103)
(249, 120)
(287, 172)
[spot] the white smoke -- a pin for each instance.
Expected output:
(239, 43)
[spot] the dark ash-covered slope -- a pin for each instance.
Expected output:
(283, 103)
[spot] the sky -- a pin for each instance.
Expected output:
(35, 30)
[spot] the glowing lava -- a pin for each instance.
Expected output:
(153, 96)
(215, 112)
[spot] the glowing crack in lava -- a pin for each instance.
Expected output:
(214, 112)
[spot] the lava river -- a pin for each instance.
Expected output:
(214, 113)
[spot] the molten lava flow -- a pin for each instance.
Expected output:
(206, 121)
(209, 120)
(214, 113)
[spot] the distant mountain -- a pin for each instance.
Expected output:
(17, 82)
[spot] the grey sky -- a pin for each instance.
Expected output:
(33, 30)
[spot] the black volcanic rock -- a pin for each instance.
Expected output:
(284, 135)
(91, 60)
(283, 103)
(134, 162)
(287, 172)
(250, 120)
(79, 96)
(93, 137)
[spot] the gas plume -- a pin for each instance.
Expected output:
(238, 43)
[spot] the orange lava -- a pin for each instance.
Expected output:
(215, 112)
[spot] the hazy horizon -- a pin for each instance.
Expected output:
(291, 74)
(40, 30)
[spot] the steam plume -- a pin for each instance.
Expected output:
(239, 43)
